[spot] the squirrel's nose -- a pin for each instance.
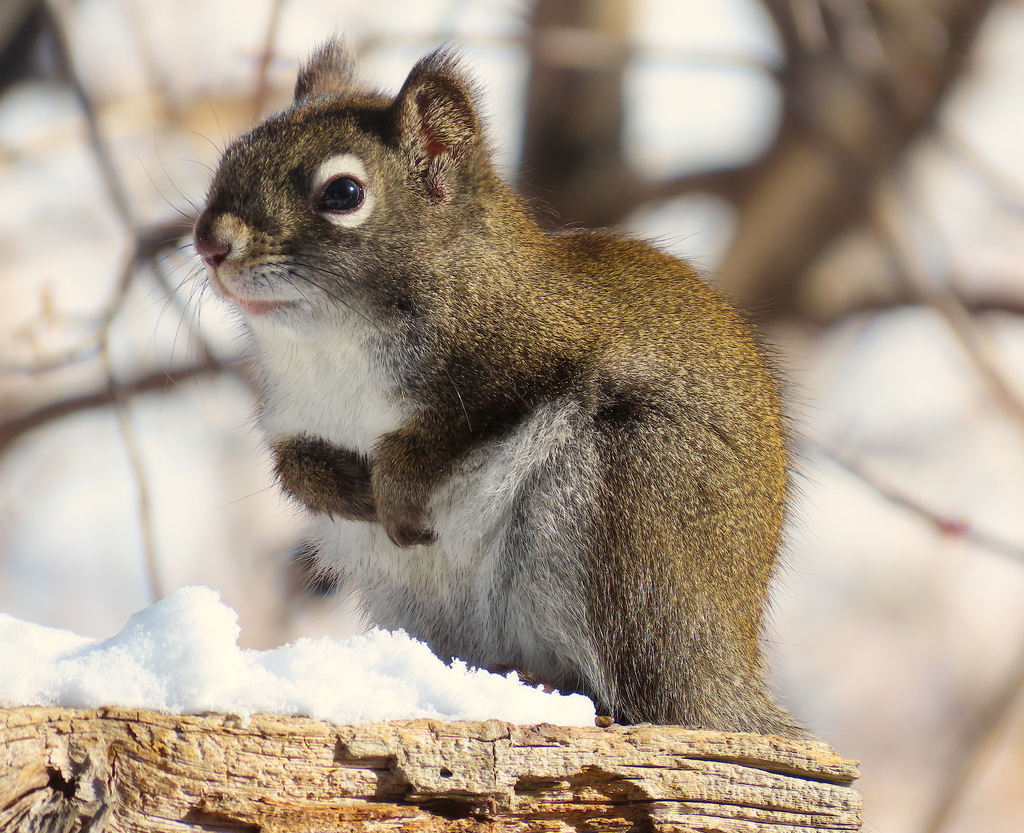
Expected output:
(211, 250)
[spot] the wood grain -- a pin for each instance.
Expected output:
(117, 769)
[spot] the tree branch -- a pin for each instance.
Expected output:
(943, 525)
(976, 748)
(937, 295)
(149, 244)
(161, 380)
(845, 125)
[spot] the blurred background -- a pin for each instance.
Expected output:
(850, 172)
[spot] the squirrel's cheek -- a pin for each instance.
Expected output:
(216, 283)
(223, 284)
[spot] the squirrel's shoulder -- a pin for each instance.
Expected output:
(635, 272)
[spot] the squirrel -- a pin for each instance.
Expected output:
(558, 452)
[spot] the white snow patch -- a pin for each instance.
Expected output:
(181, 655)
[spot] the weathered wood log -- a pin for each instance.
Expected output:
(117, 769)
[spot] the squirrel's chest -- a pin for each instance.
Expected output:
(335, 386)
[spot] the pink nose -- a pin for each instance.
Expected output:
(211, 250)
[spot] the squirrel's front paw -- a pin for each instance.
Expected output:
(401, 487)
(409, 536)
(403, 520)
(327, 479)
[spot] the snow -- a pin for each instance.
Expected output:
(181, 655)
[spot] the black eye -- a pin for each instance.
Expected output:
(342, 194)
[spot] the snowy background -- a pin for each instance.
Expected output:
(898, 619)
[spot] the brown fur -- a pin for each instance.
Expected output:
(327, 479)
(660, 516)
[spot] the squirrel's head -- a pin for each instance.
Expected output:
(338, 200)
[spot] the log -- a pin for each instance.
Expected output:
(119, 769)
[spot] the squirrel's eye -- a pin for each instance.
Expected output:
(342, 194)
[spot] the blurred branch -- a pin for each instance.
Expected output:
(859, 86)
(858, 90)
(149, 244)
(1006, 196)
(159, 80)
(937, 295)
(976, 303)
(97, 141)
(261, 87)
(158, 381)
(131, 446)
(803, 29)
(945, 526)
(12, 18)
(572, 147)
(990, 725)
(727, 183)
(149, 241)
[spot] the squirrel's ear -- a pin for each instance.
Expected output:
(329, 71)
(437, 117)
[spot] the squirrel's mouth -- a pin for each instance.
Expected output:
(260, 307)
(252, 306)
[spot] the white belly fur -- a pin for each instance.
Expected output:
(330, 384)
(474, 593)
(478, 592)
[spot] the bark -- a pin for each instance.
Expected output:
(117, 769)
